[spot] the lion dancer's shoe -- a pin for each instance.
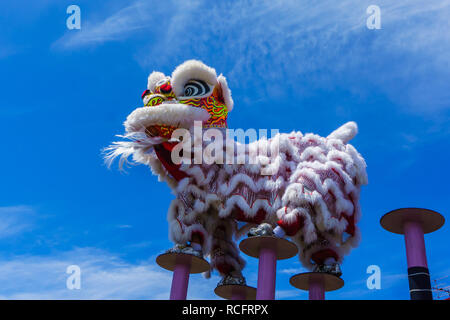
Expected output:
(193, 249)
(329, 265)
(264, 229)
(233, 278)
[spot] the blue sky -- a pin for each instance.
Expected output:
(291, 65)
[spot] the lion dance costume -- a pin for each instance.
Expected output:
(312, 195)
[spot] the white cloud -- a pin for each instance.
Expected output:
(140, 15)
(304, 45)
(103, 276)
(113, 28)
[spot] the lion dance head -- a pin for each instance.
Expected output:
(192, 93)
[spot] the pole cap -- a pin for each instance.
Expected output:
(226, 291)
(331, 282)
(284, 249)
(394, 220)
(169, 260)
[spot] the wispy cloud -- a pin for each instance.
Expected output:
(314, 45)
(309, 45)
(139, 245)
(113, 28)
(103, 276)
(126, 22)
(15, 220)
(322, 46)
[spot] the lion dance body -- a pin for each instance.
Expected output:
(312, 194)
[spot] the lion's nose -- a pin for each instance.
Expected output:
(166, 88)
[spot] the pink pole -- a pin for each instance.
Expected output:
(316, 288)
(180, 279)
(266, 273)
(415, 244)
(418, 273)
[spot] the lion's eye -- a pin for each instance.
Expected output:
(196, 88)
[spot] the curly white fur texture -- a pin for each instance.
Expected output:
(315, 179)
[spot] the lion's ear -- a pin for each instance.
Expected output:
(153, 78)
(225, 92)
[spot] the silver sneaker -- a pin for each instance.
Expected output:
(230, 280)
(183, 248)
(264, 229)
(334, 269)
